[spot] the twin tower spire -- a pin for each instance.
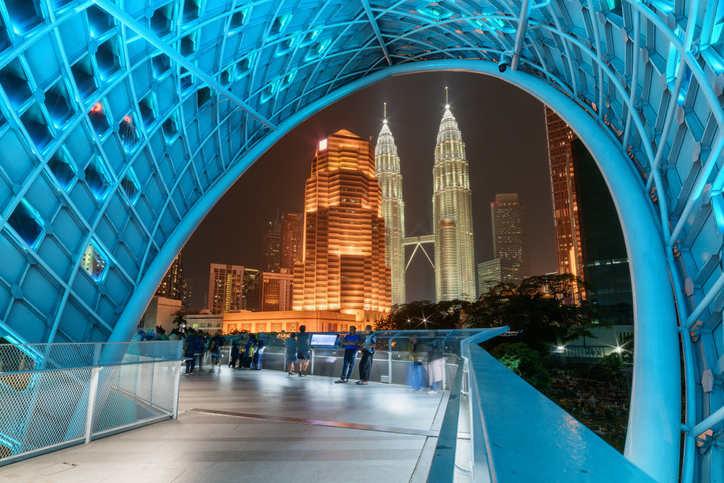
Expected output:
(452, 212)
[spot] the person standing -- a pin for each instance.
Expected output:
(290, 352)
(189, 350)
(234, 355)
(435, 364)
(414, 349)
(199, 350)
(303, 351)
(248, 352)
(368, 353)
(215, 351)
(351, 345)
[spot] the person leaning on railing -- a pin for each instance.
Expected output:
(435, 364)
(368, 353)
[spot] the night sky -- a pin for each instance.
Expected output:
(503, 130)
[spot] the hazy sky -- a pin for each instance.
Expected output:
(504, 133)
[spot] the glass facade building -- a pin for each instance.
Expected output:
(225, 287)
(510, 234)
(589, 238)
(292, 235)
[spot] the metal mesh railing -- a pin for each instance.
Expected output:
(30, 357)
(58, 394)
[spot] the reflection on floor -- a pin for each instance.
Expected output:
(262, 426)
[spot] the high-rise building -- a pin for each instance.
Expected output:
(188, 292)
(387, 168)
(277, 290)
(292, 236)
(496, 271)
(344, 233)
(589, 239)
(172, 285)
(271, 260)
(565, 203)
(252, 290)
(225, 287)
(510, 234)
(452, 215)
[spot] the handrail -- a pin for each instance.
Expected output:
(523, 436)
(111, 364)
(443, 462)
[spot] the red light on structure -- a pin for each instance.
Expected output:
(98, 107)
(127, 119)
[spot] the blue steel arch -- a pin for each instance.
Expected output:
(122, 123)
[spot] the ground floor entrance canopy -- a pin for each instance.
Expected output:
(122, 123)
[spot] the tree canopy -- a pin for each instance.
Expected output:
(546, 308)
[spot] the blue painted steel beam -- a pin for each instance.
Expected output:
(376, 28)
(520, 35)
(152, 39)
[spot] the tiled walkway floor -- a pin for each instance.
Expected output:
(393, 440)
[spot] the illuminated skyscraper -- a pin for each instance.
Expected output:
(589, 239)
(452, 215)
(290, 249)
(277, 290)
(387, 167)
(272, 247)
(495, 271)
(510, 234)
(565, 204)
(344, 232)
(225, 287)
(172, 286)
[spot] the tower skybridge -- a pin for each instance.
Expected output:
(418, 242)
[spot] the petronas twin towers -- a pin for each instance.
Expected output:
(452, 213)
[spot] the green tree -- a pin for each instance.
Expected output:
(423, 314)
(525, 362)
(179, 319)
(543, 307)
(609, 369)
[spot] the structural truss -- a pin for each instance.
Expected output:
(123, 123)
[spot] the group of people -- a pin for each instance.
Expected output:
(159, 333)
(352, 343)
(197, 345)
(297, 351)
(247, 354)
(435, 363)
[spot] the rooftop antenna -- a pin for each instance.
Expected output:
(385, 111)
(447, 104)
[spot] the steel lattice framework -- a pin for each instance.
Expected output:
(122, 123)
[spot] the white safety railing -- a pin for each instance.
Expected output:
(57, 395)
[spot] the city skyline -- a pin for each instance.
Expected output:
(496, 112)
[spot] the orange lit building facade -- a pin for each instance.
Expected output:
(343, 266)
(565, 206)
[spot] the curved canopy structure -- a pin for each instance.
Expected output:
(122, 123)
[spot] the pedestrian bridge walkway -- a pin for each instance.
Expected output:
(265, 426)
(262, 426)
